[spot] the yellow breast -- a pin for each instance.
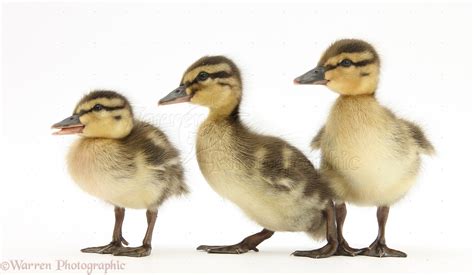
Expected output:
(372, 154)
(98, 167)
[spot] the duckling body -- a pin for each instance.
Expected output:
(270, 180)
(125, 162)
(348, 145)
(138, 171)
(370, 156)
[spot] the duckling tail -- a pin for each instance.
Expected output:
(316, 142)
(424, 145)
(183, 190)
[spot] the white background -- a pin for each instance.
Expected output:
(54, 53)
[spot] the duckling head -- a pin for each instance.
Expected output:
(99, 114)
(213, 82)
(348, 67)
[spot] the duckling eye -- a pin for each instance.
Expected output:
(346, 63)
(98, 107)
(202, 76)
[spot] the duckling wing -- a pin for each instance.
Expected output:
(156, 155)
(316, 142)
(285, 168)
(420, 139)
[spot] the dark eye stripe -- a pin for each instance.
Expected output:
(219, 74)
(108, 109)
(364, 62)
(357, 64)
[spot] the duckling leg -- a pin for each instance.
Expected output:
(331, 235)
(343, 249)
(145, 249)
(378, 248)
(117, 239)
(247, 244)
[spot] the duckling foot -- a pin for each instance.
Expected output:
(140, 251)
(239, 248)
(380, 250)
(117, 239)
(105, 249)
(345, 250)
(145, 249)
(323, 252)
(249, 243)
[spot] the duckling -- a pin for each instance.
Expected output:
(269, 179)
(123, 161)
(371, 156)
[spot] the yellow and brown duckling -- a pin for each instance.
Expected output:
(371, 156)
(123, 161)
(269, 179)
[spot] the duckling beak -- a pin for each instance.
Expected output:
(313, 77)
(68, 126)
(178, 95)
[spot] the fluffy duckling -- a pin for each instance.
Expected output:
(123, 161)
(269, 179)
(371, 156)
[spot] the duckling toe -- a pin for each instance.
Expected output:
(345, 250)
(140, 251)
(323, 252)
(105, 249)
(381, 250)
(239, 248)
(231, 249)
(208, 247)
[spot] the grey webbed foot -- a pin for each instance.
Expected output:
(105, 249)
(140, 251)
(239, 248)
(323, 252)
(380, 250)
